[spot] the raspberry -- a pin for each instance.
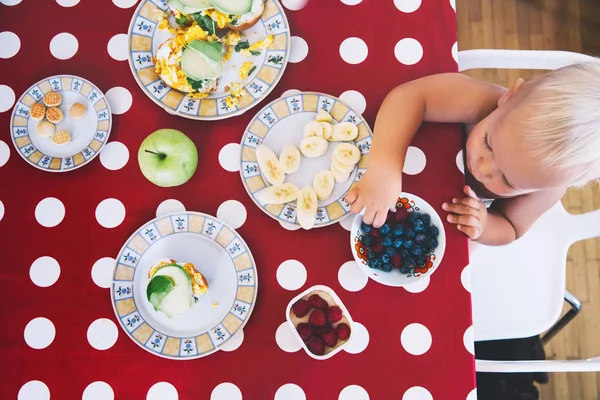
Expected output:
(375, 232)
(330, 337)
(396, 261)
(401, 215)
(317, 318)
(317, 346)
(334, 314)
(343, 331)
(305, 331)
(377, 247)
(317, 302)
(301, 308)
(318, 331)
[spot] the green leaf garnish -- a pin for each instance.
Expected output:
(195, 84)
(241, 46)
(252, 70)
(205, 22)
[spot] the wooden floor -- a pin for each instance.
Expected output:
(572, 25)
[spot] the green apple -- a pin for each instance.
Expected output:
(168, 158)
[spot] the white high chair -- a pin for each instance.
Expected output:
(518, 290)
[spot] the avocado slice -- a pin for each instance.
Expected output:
(158, 289)
(235, 7)
(171, 300)
(202, 60)
(190, 6)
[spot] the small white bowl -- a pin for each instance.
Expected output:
(411, 203)
(335, 300)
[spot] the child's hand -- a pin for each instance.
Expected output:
(377, 191)
(468, 214)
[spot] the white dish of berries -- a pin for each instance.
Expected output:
(320, 321)
(407, 248)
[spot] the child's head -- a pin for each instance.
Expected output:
(544, 134)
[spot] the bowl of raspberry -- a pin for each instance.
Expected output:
(407, 248)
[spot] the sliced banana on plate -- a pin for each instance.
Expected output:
(339, 176)
(290, 158)
(323, 183)
(324, 116)
(313, 146)
(344, 132)
(313, 128)
(306, 210)
(347, 153)
(278, 194)
(269, 165)
(327, 130)
(344, 168)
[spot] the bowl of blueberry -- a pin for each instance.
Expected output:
(408, 247)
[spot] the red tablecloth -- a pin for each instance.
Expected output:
(385, 370)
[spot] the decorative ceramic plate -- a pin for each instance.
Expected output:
(216, 251)
(145, 38)
(282, 122)
(88, 134)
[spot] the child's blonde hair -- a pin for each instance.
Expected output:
(564, 130)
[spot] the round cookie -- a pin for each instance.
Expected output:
(37, 112)
(54, 115)
(45, 129)
(52, 99)
(77, 111)
(61, 137)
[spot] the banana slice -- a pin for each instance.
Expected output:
(344, 168)
(289, 159)
(313, 146)
(323, 183)
(306, 211)
(339, 176)
(344, 131)
(327, 130)
(347, 153)
(278, 194)
(313, 128)
(269, 165)
(324, 116)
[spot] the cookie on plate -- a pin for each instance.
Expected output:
(45, 129)
(61, 137)
(52, 99)
(54, 115)
(37, 112)
(77, 111)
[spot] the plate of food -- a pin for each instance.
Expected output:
(301, 154)
(184, 285)
(60, 123)
(208, 59)
(408, 247)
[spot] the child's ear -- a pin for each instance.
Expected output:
(511, 92)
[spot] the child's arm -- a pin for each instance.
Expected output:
(436, 98)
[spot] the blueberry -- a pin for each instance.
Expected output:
(412, 216)
(434, 231)
(410, 261)
(385, 258)
(408, 243)
(390, 251)
(417, 251)
(386, 267)
(426, 219)
(384, 230)
(397, 243)
(421, 260)
(405, 270)
(366, 228)
(386, 242)
(371, 256)
(376, 264)
(434, 243)
(404, 253)
(419, 238)
(418, 226)
(398, 230)
(367, 240)
(410, 233)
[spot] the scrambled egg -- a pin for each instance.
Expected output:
(245, 69)
(236, 91)
(261, 44)
(199, 284)
(231, 38)
(221, 19)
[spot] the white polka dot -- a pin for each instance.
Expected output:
(229, 157)
(286, 338)
(294, 5)
(291, 274)
(233, 213)
(7, 98)
(418, 286)
(355, 100)
(347, 222)
(290, 391)
(1, 210)
(472, 395)
(39, 333)
(359, 339)
(298, 49)
(98, 391)
(110, 213)
(453, 4)
(10, 2)
(290, 92)
(416, 339)
(455, 51)
(64, 46)
(226, 391)
(354, 50)
(102, 271)
(415, 161)
(169, 206)
(9, 44)
(234, 343)
(407, 6)
(351, 277)
(465, 278)
(353, 392)
(162, 391)
(4, 153)
(68, 3)
(417, 393)
(288, 226)
(44, 271)
(114, 156)
(469, 340)
(50, 212)
(460, 162)
(351, 2)
(119, 99)
(117, 47)
(408, 51)
(33, 390)
(124, 3)
(102, 334)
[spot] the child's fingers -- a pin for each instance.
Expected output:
(468, 201)
(380, 218)
(459, 209)
(471, 232)
(351, 196)
(369, 216)
(357, 206)
(470, 193)
(468, 220)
